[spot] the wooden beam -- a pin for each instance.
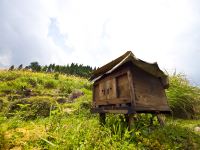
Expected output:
(131, 88)
(113, 101)
(117, 111)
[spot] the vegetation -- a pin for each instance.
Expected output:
(72, 69)
(184, 99)
(43, 111)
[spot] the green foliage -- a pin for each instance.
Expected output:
(183, 98)
(9, 75)
(50, 84)
(12, 68)
(56, 76)
(72, 69)
(35, 66)
(20, 67)
(1, 140)
(31, 108)
(39, 122)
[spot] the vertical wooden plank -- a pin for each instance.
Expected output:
(114, 88)
(93, 95)
(123, 86)
(102, 91)
(111, 89)
(107, 89)
(131, 88)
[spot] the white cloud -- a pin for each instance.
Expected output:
(95, 32)
(5, 58)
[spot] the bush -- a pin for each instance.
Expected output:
(183, 97)
(50, 84)
(56, 76)
(5, 88)
(9, 75)
(31, 108)
(32, 82)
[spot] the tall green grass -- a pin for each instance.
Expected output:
(184, 99)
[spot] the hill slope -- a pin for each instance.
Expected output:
(51, 111)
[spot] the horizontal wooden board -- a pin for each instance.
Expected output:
(113, 101)
(116, 111)
(113, 109)
(152, 108)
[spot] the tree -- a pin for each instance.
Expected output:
(11, 68)
(20, 67)
(44, 68)
(35, 66)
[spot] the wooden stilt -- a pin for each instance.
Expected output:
(102, 118)
(126, 118)
(151, 120)
(129, 120)
(160, 119)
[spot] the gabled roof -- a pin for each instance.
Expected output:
(151, 68)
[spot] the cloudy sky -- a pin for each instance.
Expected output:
(93, 32)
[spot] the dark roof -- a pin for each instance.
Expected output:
(151, 68)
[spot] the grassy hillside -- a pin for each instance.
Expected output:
(41, 111)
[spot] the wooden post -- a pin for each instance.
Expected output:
(129, 120)
(151, 120)
(102, 118)
(160, 119)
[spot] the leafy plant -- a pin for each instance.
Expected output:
(30, 108)
(184, 99)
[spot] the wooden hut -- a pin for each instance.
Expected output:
(128, 85)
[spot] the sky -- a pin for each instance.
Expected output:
(94, 32)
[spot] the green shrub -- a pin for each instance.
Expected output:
(183, 97)
(50, 84)
(9, 75)
(66, 87)
(31, 108)
(174, 136)
(32, 81)
(5, 88)
(56, 76)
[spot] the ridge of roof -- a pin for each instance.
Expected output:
(151, 68)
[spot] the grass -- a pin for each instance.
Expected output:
(71, 125)
(184, 99)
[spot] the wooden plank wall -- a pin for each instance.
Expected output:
(113, 89)
(149, 91)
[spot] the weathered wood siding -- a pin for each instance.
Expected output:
(149, 92)
(130, 86)
(123, 89)
(112, 89)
